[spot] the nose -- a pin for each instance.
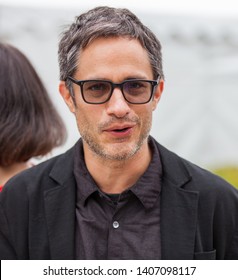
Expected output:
(117, 104)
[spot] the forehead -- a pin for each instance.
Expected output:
(115, 54)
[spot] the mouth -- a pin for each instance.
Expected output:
(120, 131)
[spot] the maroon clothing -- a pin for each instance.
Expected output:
(123, 226)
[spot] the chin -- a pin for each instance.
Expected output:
(120, 154)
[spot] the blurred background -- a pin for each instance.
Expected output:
(197, 117)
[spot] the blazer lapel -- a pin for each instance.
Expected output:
(60, 210)
(178, 222)
(178, 210)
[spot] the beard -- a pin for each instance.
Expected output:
(121, 150)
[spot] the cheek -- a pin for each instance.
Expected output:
(147, 110)
(87, 118)
(147, 119)
(145, 115)
(80, 118)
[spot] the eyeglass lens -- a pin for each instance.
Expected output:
(134, 91)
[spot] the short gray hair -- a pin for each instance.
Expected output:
(105, 22)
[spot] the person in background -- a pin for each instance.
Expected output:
(29, 124)
(118, 193)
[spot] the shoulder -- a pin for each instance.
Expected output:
(208, 182)
(176, 168)
(210, 186)
(39, 177)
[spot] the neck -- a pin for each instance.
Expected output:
(115, 176)
(6, 172)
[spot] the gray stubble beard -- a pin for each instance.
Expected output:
(102, 153)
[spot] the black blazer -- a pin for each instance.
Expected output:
(199, 212)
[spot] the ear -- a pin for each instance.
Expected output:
(66, 96)
(157, 95)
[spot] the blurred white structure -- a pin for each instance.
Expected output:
(197, 116)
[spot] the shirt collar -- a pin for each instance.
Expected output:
(147, 189)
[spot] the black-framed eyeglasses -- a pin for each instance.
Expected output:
(135, 91)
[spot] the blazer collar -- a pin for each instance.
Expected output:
(178, 209)
(60, 208)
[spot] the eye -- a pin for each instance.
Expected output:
(96, 86)
(135, 85)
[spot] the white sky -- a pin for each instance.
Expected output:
(221, 8)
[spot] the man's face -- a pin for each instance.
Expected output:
(114, 130)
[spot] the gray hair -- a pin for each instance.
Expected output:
(105, 22)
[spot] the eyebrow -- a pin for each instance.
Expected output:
(136, 78)
(126, 78)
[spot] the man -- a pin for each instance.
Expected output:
(117, 194)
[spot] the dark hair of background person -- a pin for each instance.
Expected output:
(29, 124)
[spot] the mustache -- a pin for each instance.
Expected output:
(114, 120)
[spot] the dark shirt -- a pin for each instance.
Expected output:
(122, 226)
